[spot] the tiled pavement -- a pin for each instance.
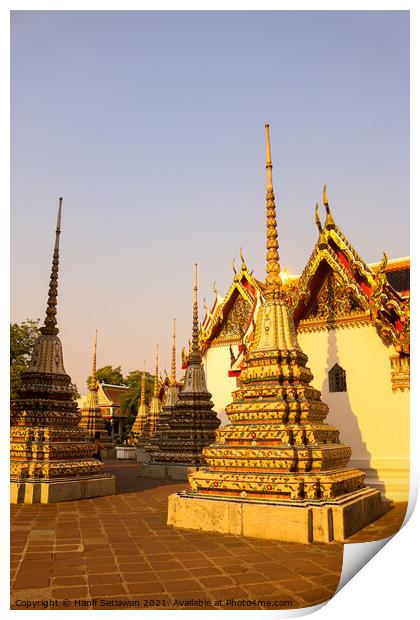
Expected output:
(119, 551)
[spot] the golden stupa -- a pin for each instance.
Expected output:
(92, 420)
(138, 435)
(278, 470)
(155, 408)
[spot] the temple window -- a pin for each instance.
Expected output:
(337, 379)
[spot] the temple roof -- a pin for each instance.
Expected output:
(378, 292)
(110, 395)
(243, 293)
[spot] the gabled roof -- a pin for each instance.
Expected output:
(110, 395)
(244, 287)
(368, 286)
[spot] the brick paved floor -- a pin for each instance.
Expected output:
(119, 548)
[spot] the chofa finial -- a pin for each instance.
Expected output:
(322, 242)
(241, 254)
(317, 220)
(329, 222)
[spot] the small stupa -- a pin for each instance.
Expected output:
(138, 434)
(92, 421)
(192, 423)
(50, 458)
(278, 470)
(155, 408)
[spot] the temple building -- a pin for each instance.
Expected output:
(192, 422)
(109, 403)
(50, 458)
(92, 421)
(278, 470)
(353, 321)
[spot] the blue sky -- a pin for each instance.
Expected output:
(151, 126)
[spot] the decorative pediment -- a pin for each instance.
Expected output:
(236, 322)
(230, 319)
(333, 301)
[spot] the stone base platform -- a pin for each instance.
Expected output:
(167, 471)
(127, 453)
(292, 521)
(142, 455)
(36, 492)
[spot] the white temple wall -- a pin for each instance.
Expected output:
(372, 419)
(216, 363)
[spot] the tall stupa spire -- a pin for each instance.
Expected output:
(156, 384)
(143, 387)
(155, 407)
(93, 382)
(50, 322)
(173, 360)
(273, 281)
(195, 354)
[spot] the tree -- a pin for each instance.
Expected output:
(108, 374)
(22, 339)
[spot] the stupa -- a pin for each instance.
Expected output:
(155, 407)
(92, 421)
(50, 458)
(192, 423)
(171, 399)
(138, 434)
(278, 471)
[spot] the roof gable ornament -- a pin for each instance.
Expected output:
(329, 222)
(322, 241)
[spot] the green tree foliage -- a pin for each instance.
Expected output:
(131, 399)
(22, 340)
(108, 374)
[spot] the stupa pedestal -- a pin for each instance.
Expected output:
(50, 458)
(278, 470)
(167, 471)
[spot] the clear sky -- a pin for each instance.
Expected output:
(151, 126)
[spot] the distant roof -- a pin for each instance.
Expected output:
(112, 393)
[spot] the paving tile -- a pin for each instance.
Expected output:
(70, 593)
(148, 587)
(110, 589)
(67, 571)
(315, 596)
(101, 579)
(77, 580)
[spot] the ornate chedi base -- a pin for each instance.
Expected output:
(278, 470)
